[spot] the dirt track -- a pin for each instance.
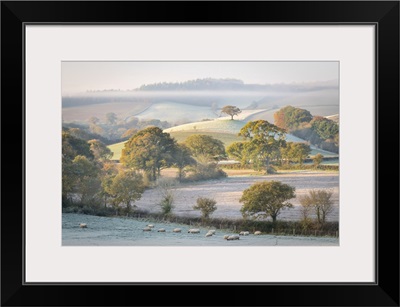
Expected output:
(228, 191)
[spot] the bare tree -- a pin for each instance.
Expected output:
(321, 201)
(166, 188)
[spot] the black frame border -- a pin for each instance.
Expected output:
(383, 14)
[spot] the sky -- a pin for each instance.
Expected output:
(79, 77)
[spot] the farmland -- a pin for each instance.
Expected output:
(227, 192)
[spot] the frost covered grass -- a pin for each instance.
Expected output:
(119, 231)
(227, 192)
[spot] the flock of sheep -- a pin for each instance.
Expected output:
(210, 233)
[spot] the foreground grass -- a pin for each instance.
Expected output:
(292, 228)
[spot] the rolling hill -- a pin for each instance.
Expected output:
(223, 129)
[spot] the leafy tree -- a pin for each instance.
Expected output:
(72, 147)
(231, 110)
(182, 158)
(108, 173)
(86, 181)
(291, 118)
(295, 151)
(205, 148)
(318, 158)
(237, 151)
(264, 141)
(321, 201)
(100, 151)
(266, 198)
(325, 128)
(206, 205)
(150, 150)
(126, 187)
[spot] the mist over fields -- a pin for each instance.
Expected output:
(195, 100)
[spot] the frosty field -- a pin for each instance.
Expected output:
(227, 192)
(113, 231)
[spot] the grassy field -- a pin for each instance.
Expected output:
(117, 150)
(228, 191)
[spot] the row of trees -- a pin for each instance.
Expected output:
(269, 198)
(90, 178)
(263, 143)
(151, 150)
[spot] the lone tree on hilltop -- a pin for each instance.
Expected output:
(231, 110)
(266, 198)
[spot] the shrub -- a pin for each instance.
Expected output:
(206, 205)
(166, 204)
(205, 172)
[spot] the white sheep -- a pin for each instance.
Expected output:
(83, 225)
(212, 231)
(147, 229)
(209, 234)
(177, 230)
(233, 237)
(257, 232)
(150, 226)
(244, 233)
(194, 230)
(226, 237)
(161, 230)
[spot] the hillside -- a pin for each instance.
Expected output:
(223, 129)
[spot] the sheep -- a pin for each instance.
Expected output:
(147, 228)
(212, 231)
(177, 230)
(232, 237)
(150, 226)
(209, 234)
(244, 233)
(257, 232)
(83, 225)
(226, 237)
(194, 230)
(161, 230)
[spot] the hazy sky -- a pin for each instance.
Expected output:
(82, 76)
